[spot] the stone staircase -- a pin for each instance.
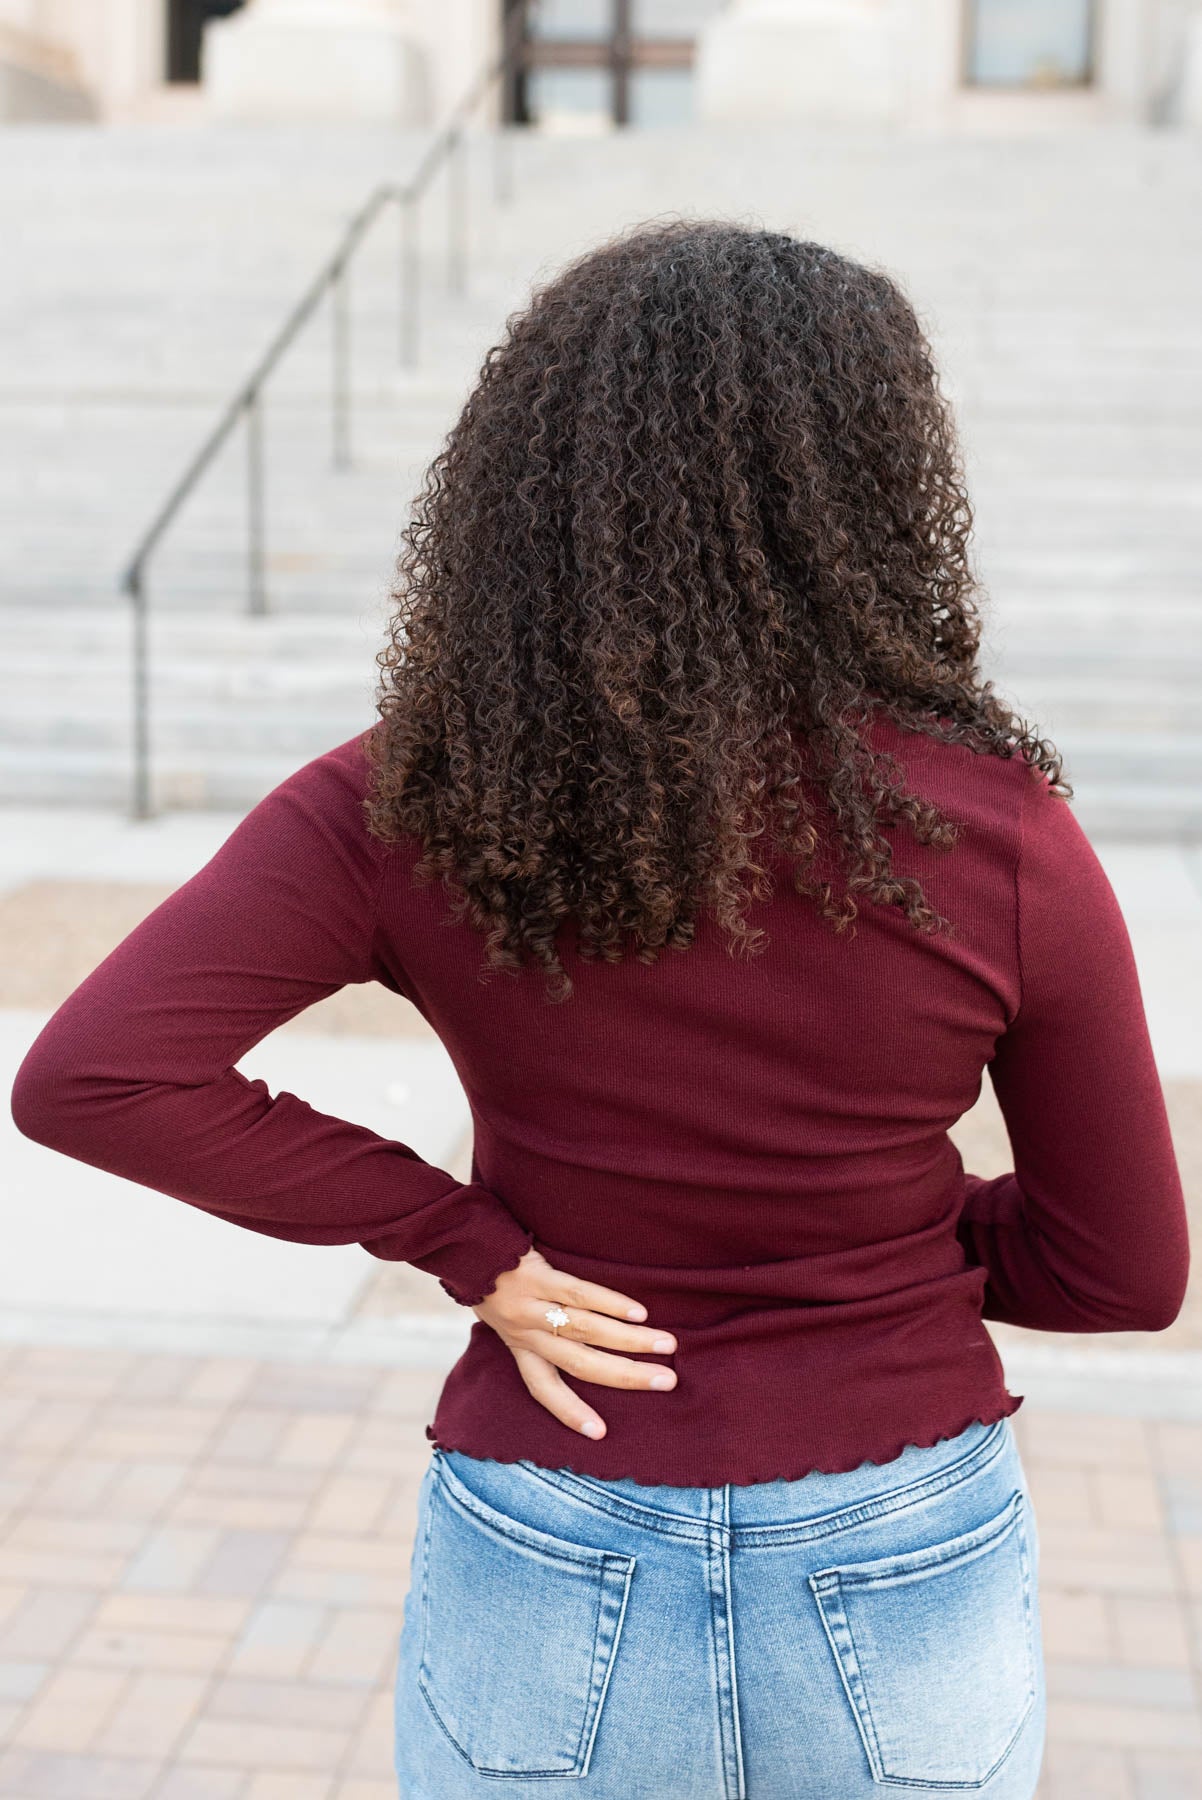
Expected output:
(1057, 275)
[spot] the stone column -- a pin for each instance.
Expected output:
(801, 62)
(316, 59)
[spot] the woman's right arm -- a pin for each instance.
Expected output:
(1088, 1233)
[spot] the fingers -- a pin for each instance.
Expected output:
(594, 1328)
(553, 1392)
(570, 1290)
(598, 1365)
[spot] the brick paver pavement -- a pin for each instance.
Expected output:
(203, 1562)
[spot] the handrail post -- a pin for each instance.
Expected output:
(620, 60)
(457, 212)
(409, 278)
(256, 590)
(509, 83)
(141, 807)
(341, 395)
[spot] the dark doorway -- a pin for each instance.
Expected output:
(185, 27)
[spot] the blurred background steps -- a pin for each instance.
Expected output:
(1057, 275)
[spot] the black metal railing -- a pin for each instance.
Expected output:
(446, 151)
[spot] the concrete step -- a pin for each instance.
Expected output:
(1077, 374)
(1137, 809)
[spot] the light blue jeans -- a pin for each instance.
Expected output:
(818, 1639)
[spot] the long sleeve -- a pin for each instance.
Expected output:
(1089, 1232)
(134, 1072)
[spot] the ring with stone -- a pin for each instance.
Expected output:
(555, 1317)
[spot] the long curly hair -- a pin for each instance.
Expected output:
(703, 510)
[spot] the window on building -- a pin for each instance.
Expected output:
(602, 60)
(185, 28)
(1029, 43)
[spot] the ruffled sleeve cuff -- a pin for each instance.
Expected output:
(483, 1240)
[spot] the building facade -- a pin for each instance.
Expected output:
(921, 64)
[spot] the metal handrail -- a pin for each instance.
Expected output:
(448, 147)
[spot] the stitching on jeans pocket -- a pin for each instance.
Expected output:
(935, 1648)
(509, 1612)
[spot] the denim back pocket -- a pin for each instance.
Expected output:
(936, 1651)
(519, 1632)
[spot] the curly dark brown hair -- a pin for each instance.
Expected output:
(703, 510)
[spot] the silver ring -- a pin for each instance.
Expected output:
(555, 1317)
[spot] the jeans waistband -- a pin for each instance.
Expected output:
(783, 1511)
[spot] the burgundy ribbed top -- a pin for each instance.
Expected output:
(755, 1148)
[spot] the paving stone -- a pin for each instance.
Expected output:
(242, 1744)
(1088, 1442)
(349, 1503)
(313, 1390)
(70, 1708)
(171, 1559)
(284, 1703)
(359, 1644)
(243, 1563)
(1075, 1621)
(1178, 1448)
(280, 1784)
(1125, 1726)
(55, 1424)
(202, 1784)
(1062, 1494)
(152, 1714)
(244, 1512)
(143, 1489)
(1150, 1632)
(1124, 1683)
(278, 1639)
(1182, 1498)
(372, 1749)
(157, 1378)
(251, 1434)
(35, 1532)
(11, 1595)
(218, 1381)
(339, 1587)
(314, 1440)
(21, 1680)
(132, 1647)
(14, 1410)
(44, 1775)
(173, 1612)
(1085, 1772)
(81, 1483)
(1127, 1500)
(45, 1621)
(1166, 1775)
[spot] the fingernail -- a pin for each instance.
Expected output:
(637, 1312)
(663, 1381)
(663, 1344)
(592, 1428)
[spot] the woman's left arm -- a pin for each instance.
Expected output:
(134, 1072)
